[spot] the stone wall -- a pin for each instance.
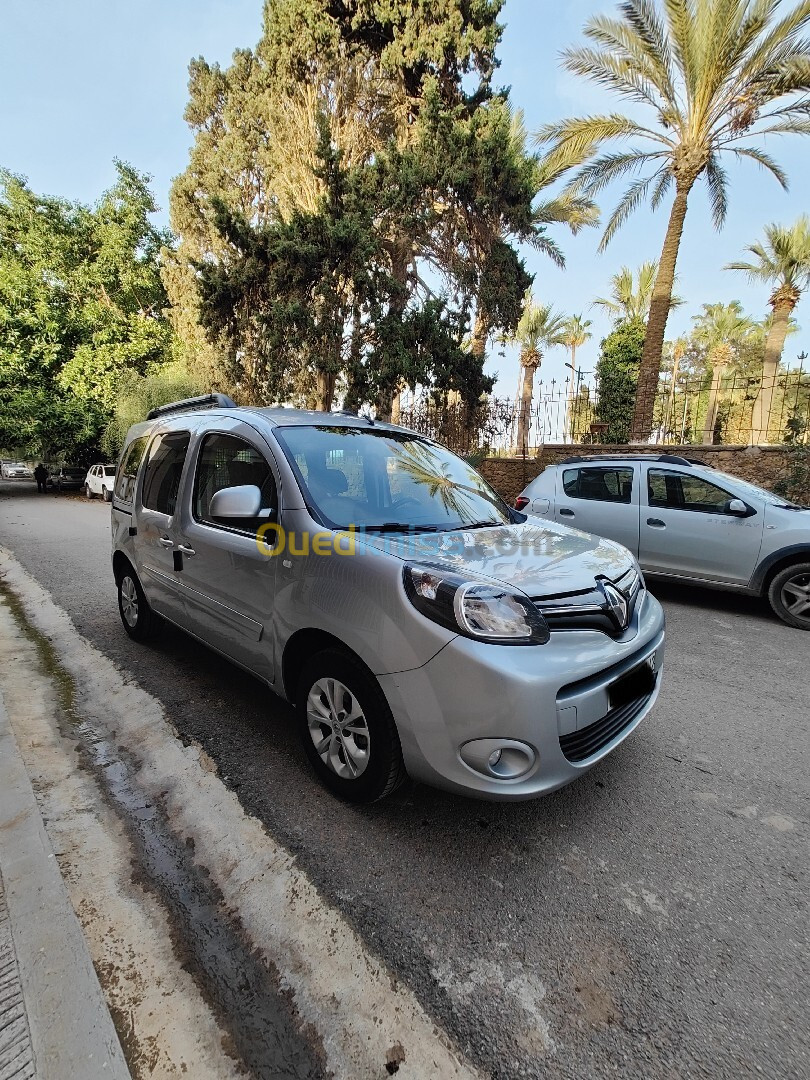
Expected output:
(762, 465)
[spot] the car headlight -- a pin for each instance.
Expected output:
(480, 610)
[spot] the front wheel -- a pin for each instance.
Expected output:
(140, 622)
(789, 595)
(347, 729)
(87, 491)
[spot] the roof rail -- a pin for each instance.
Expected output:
(668, 459)
(206, 401)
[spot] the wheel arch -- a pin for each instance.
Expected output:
(306, 643)
(120, 563)
(775, 563)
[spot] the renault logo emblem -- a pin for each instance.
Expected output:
(616, 603)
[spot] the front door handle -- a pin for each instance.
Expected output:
(186, 550)
(165, 541)
(656, 523)
(565, 512)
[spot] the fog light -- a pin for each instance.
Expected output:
(499, 759)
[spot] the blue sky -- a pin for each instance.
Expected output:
(84, 81)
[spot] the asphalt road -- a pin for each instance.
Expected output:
(649, 920)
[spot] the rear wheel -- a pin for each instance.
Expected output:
(106, 494)
(140, 622)
(347, 729)
(789, 595)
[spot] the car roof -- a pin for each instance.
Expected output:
(658, 459)
(275, 416)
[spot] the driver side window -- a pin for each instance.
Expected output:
(227, 461)
(680, 491)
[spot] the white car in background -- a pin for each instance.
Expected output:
(16, 470)
(100, 480)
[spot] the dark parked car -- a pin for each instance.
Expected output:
(66, 478)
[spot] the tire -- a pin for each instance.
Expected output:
(789, 595)
(106, 494)
(368, 765)
(138, 619)
(88, 492)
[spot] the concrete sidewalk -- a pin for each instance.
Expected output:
(54, 1022)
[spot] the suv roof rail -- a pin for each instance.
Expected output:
(669, 459)
(206, 401)
(674, 459)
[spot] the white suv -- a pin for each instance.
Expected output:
(685, 521)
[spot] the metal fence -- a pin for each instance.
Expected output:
(691, 410)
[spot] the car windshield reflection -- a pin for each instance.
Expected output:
(388, 481)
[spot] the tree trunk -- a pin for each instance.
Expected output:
(711, 409)
(774, 346)
(657, 321)
(400, 252)
(396, 405)
(568, 434)
(325, 389)
(478, 342)
(525, 411)
(670, 413)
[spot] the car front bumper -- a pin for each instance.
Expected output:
(526, 699)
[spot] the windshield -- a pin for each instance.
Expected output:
(754, 491)
(367, 479)
(73, 472)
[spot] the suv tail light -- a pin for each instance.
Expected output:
(521, 502)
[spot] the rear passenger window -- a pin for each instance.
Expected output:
(128, 470)
(161, 482)
(226, 461)
(599, 485)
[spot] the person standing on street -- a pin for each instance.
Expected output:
(40, 475)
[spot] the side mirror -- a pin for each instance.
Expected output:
(236, 502)
(737, 508)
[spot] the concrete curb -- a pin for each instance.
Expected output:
(48, 976)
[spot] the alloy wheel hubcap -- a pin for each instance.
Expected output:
(129, 601)
(796, 596)
(338, 728)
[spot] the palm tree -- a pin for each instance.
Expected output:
(575, 333)
(629, 299)
(711, 77)
(784, 261)
(719, 328)
(540, 328)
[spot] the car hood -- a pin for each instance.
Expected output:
(540, 560)
(789, 519)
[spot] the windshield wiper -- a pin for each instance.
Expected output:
(477, 525)
(397, 526)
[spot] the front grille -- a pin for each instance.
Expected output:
(580, 745)
(587, 610)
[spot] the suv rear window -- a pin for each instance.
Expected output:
(128, 470)
(161, 482)
(600, 485)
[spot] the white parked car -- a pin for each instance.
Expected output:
(16, 470)
(100, 480)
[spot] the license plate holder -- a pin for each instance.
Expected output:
(635, 684)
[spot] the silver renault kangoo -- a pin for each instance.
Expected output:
(419, 625)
